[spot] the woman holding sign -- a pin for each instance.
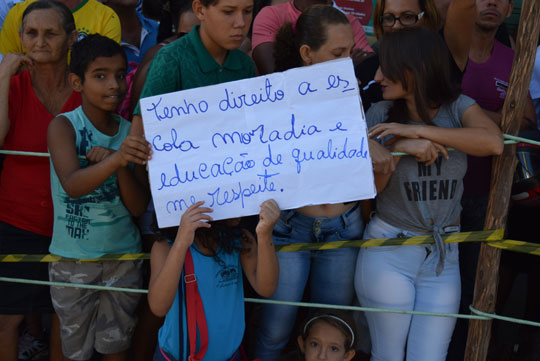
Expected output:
(321, 33)
(424, 114)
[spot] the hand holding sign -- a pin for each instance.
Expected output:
(298, 137)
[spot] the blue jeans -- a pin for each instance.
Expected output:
(403, 277)
(330, 272)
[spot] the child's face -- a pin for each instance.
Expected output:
(325, 342)
(104, 83)
(226, 23)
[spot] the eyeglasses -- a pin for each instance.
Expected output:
(405, 19)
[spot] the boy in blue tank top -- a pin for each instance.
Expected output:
(96, 190)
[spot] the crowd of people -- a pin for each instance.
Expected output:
(432, 85)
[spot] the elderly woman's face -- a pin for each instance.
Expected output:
(43, 36)
(406, 10)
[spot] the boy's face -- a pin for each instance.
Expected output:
(104, 83)
(226, 23)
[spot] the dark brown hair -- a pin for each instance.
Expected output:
(310, 29)
(431, 17)
(88, 49)
(419, 59)
(221, 234)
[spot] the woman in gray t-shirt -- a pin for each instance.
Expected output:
(423, 114)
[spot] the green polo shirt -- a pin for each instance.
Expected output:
(185, 64)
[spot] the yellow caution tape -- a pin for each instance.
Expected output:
(495, 236)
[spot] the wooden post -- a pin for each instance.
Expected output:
(487, 272)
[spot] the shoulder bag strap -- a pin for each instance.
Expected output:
(195, 312)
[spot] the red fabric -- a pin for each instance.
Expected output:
(124, 107)
(25, 187)
(195, 312)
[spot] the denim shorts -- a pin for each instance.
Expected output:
(295, 227)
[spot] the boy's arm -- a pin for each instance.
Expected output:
(75, 180)
(134, 192)
(133, 183)
(260, 263)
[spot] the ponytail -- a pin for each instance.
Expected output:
(310, 29)
(286, 52)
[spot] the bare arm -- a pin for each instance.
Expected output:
(78, 181)
(166, 262)
(134, 191)
(458, 29)
(166, 265)
(422, 150)
(9, 67)
(528, 121)
(383, 163)
(136, 126)
(260, 263)
(263, 56)
(479, 136)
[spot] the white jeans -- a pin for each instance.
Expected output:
(404, 277)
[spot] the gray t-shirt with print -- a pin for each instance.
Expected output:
(417, 197)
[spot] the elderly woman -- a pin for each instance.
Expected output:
(29, 100)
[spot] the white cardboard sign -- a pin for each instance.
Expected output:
(298, 137)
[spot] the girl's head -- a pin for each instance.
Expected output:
(48, 30)
(321, 33)
(391, 15)
(328, 335)
(224, 233)
(415, 65)
(224, 23)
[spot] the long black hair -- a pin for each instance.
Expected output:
(221, 235)
(419, 59)
(310, 29)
